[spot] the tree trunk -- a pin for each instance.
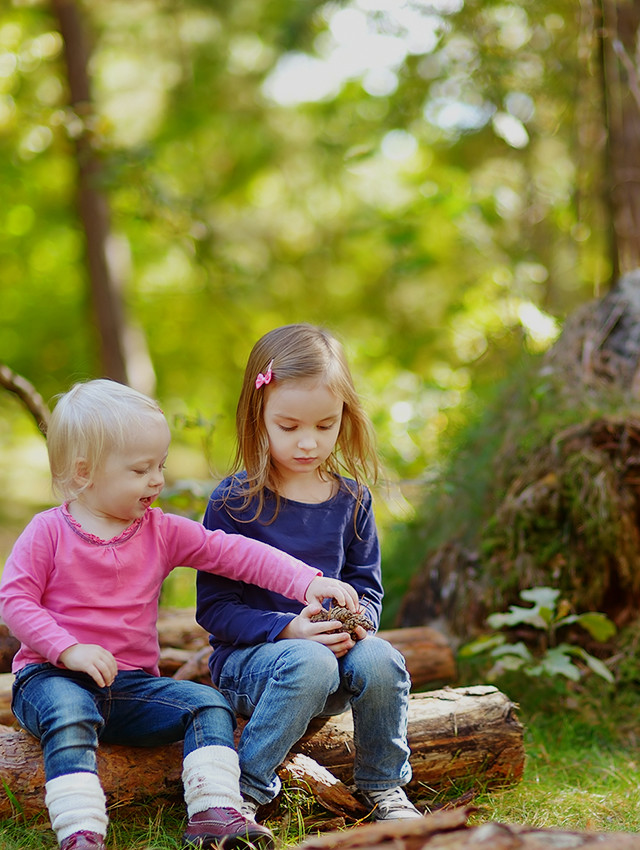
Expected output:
(621, 87)
(119, 360)
(453, 734)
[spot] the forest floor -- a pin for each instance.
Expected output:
(582, 773)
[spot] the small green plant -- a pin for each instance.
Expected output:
(548, 658)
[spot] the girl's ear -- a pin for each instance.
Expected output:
(81, 474)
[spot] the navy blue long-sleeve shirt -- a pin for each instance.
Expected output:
(323, 535)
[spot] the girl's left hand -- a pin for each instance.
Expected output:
(332, 588)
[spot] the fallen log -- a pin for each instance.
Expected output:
(8, 648)
(6, 685)
(462, 733)
(177, 627)
(450, 830)
(427, 653)
(453, 733)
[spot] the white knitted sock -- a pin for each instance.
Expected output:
(211, 778)
(76, 802)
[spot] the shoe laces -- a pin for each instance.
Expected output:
(249, 809)
(390, 799)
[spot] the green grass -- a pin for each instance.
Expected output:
(582, 769)
(582, 773)
(573, 780)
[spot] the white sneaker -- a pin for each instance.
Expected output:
(390, 804)
(249, 809)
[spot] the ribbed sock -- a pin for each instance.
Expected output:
(76, 802)
(211, 778)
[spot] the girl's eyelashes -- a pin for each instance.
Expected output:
(319, 427)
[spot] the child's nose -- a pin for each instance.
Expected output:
(307, 441)
(157, 478)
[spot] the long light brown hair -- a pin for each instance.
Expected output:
(296, 352)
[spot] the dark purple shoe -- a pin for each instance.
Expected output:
(83, 840)
(224, 829)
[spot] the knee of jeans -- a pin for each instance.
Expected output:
(309, 662)
(385, 664)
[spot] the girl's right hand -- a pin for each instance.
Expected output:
(301, 628)
(90, 658)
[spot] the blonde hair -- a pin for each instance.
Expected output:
(90, 420)
(295, 352)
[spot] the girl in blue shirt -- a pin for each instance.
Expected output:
(300, 425)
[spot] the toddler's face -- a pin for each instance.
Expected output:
(129, 480)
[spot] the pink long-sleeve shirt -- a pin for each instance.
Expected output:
(61, 586)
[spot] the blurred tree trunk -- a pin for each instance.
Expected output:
(620, 60)
(123, 354)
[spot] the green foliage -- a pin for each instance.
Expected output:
(405, 217)
(547, 616)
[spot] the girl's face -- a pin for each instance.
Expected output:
(302, 418)
(128, 480)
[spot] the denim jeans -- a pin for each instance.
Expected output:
(281, 686)
(69, 713)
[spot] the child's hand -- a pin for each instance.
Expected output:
(90, 658)
(331, 588)
(324, 632)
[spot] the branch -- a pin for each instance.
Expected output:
(27, 394)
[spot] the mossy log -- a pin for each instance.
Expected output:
(450, 830)
(563, 485)
(469, 734)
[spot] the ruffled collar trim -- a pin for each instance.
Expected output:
(125, 534)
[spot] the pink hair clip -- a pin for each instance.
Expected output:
(266, 378)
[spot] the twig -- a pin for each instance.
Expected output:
(27, 394)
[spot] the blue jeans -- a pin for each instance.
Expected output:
(281, 686)
(69, 714)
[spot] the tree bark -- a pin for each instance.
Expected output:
(450, 830)
(454, 734)
(621, 87)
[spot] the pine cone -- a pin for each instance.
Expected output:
(348, 619)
